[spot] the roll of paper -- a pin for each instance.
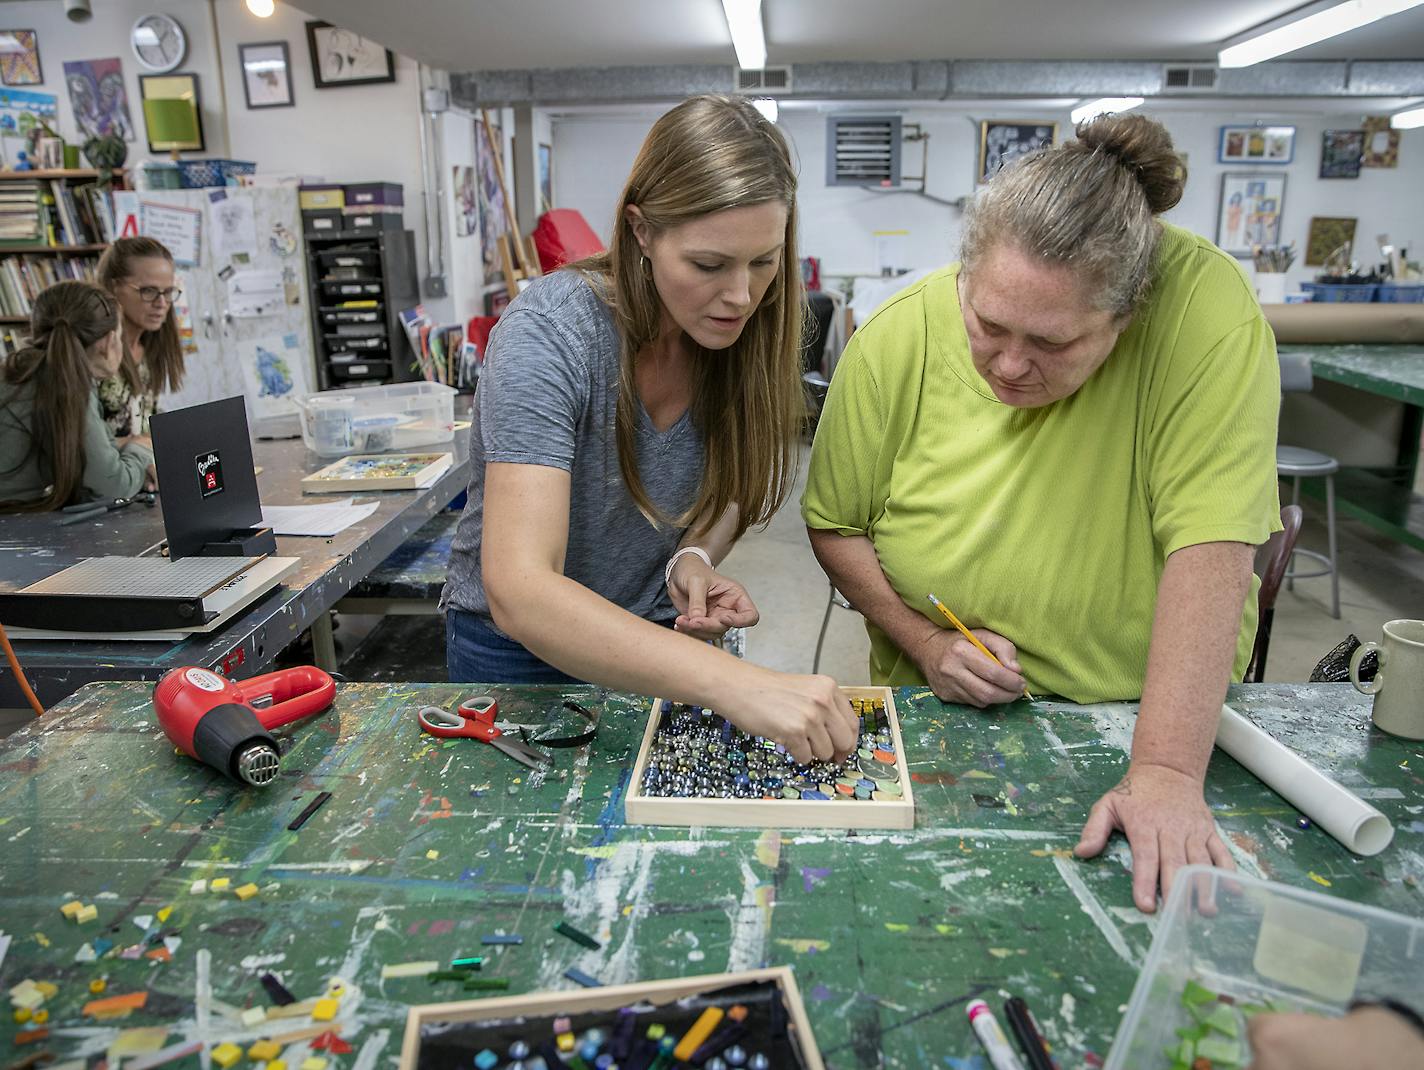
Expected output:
(1336, 809)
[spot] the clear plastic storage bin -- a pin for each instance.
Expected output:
(371, 419)
(1268, 944)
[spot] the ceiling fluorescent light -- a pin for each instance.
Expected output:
(261, 8)
(1091, 110)
(1321, 26)
(744, 22)
(767, 107)
(1407, 120)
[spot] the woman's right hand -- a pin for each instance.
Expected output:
(958, 672)
(807, 714)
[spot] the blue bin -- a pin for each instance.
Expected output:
(1337, 292)
(1400, 292)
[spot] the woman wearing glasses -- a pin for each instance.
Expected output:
(139, 273)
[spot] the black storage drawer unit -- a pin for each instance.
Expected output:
(371, 193)
(371, 222)
(324, 221)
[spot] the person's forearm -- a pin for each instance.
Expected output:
(716, 540)
(1194, 632)
(583, 634)
(854, 569)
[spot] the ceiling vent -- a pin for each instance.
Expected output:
(1189, 78)
(764, 81)
(863, 150)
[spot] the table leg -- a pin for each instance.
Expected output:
(1409, 435)
(323, 643)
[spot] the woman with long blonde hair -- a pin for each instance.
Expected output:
(638, 412)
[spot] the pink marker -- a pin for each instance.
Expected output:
(996, 1045)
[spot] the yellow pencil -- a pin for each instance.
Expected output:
(973, 639)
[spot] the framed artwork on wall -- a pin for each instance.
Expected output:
(1326, 235)
(172, 112)
(98, 98)
(1250, 211)
(1340, 153)
(340, 57)
(1381, 143)
(1001, 143)
(267, 75)
(1256, 144)
(20, 62)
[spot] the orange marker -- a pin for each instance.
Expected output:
(974, 639)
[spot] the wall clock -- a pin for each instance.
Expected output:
(159, 43)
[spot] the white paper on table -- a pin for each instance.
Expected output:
(329, 518)
(234, 227)
(256, 292)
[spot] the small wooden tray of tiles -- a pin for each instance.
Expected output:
(760, 786)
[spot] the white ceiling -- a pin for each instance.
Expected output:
(465, 35)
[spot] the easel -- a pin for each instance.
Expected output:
(520, 265)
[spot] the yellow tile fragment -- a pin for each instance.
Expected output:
(263, 1050)
(247, 891)
(88, 913)
(71, 908)
(325, 1010)
(226, 1053)
(313, 1062)
(48, 989)
(276, 1064)
(219, 884)
(432, 855)
(164, 914)
(22, 1015)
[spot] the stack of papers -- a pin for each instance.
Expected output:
(329, 518)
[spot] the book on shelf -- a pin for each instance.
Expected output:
(23, 277)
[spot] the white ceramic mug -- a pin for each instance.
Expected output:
(1398, 687)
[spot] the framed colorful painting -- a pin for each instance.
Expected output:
(20, 58)
(1250, 211)
(1256, 144)
(1327, 234)
(1341, 152)
(1381, 143)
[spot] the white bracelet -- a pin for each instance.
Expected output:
(667, 572)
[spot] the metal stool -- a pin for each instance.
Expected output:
(1295, 463)
(835, 599)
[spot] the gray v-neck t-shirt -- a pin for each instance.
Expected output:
(547, 396)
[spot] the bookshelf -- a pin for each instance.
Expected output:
(54, 224)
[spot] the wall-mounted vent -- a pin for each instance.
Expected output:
(1189, 78)
(765, 81)
(863, 150)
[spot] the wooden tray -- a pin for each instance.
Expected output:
(776, 813)
(610, 997)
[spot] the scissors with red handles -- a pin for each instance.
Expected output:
(474, 719)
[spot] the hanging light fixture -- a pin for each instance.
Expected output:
(261, 8)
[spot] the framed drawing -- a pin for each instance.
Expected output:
(1381, 143)
(1340, 153)
(20, 62)
(172, 127)
(1001, 143)
(266, 75)
(1250, 211)
(340, 57)
(98, 98)
(1256, 144)
(1327, 234)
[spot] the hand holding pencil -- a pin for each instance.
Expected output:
(960, 674)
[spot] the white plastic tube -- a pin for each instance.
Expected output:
(1336, 809)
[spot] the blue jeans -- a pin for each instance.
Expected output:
(475, 653)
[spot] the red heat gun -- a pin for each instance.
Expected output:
(226, 723)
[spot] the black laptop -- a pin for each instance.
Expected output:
(206, 481)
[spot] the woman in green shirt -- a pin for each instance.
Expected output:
(1069, 438)
(55, 446)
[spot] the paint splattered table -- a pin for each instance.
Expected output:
(426, 845)
(1382, 497)
(35, 546)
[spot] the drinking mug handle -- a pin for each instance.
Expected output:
(1373, 687)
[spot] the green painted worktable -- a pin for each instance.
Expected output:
(890, 933)
(1383, 498)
